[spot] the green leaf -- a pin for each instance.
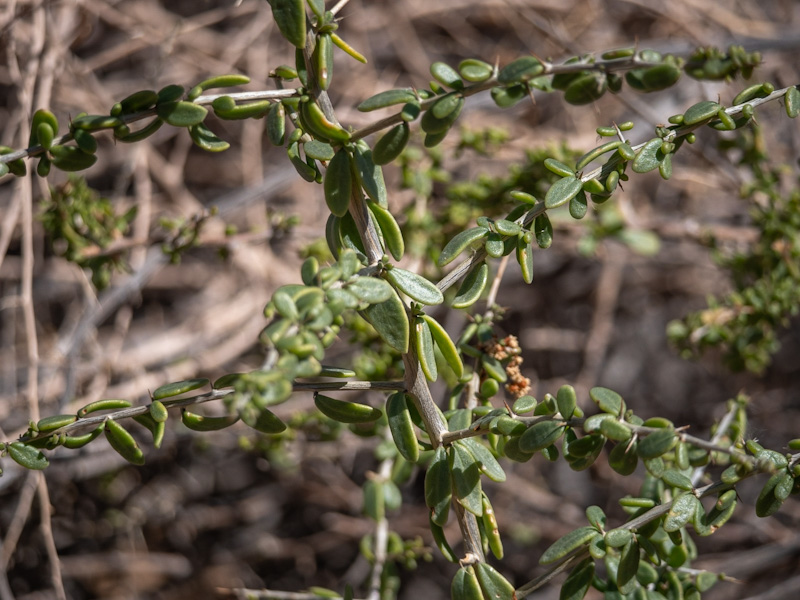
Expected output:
(179, 387)
(562, 191)
(71, 158)
(525, 259)
(494, 368)
(370, 175)
(446, 346)
(557, 167)
(169, 93)
(346, 412)
(506, 97)
(648, 157)
(219, 81)
(466, 478)
(433, 125)
(392, 235)
(318, 150)
(371, 290)
(680, 512)
(54, 422)
(441, 542)
(617, 538)
(423, 344)
(26, 456)
(338, 183)
(511, 450)
(653, 79)
(665, 167)
(197, 422)
(540, 435)
(768, 501)
(465, 585)
(158, 411)
(488, 463)
(390, 320)
(493, 584)
(520, 70)
(596, 516)
(524, 404)
(122, 441)
(607, 400)
(543, 230)
(206, 139)
(414, 286)
(276, 124)
(475, 70)
(391, 144)
(438, 487)
(495, 245)
(792, 102)
(105, 404)
(374, 499)
(705, 580)
(290, 16)
(444, 106)
(567, 544)
(657, 443)
(578, 206)
(264, 421)
(182, 113)
(567, 400)
(446, 75)
(387, 98)
(700, 112)
(578, 581)
(461, 242)
(628, 566)
(586, 88)
(677, 479)
(402, 427)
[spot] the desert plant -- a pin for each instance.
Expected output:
(356, 285)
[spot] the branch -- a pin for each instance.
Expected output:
(381, 534)
(133, 411)
(417, 387)
(134, 117)
(606, 66)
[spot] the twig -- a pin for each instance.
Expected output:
(133, 411)
(722, 430)
(349, 385)
(339, 6)
(5, 588)
(249, 594)
(479, 256)
(47, 533)
(602, 327)
(381, 534)
(17, 524)
(651, 515)
(134, 117)
(618, 64)
(535, 584)
(498, 279)
(417, 387)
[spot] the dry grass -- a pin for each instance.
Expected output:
(204, 514)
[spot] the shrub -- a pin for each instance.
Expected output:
(399, 312)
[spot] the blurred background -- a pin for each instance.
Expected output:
(211, 512)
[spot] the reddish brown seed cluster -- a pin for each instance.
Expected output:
(508, 349)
